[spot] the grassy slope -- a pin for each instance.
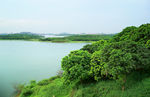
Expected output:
(136, 86)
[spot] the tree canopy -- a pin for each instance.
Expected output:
(119, 58)
(139, 34)
(91, 48)
(126, 52)
(76, 65)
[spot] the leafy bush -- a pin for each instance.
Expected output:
(121, 58)
(97, 65)
(91, 48)
(76, 66)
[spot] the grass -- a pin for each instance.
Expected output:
(137, 85)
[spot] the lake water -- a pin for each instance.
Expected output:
(22, 61)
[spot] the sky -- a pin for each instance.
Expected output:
(72, 16)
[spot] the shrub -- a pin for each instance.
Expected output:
(91, 48)
(119, 59)
(97, 65)
(76, 66)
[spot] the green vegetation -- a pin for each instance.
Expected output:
(138, 34)
(72, 38)
(19, 37)
(79, 38)
(76, 66)
(91, 48)
(119, 59)
(136, 86)
(148, 44)
(118, 67)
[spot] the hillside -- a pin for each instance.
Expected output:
(118, 67)
(136, 87)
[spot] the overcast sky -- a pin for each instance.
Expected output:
(72, 16)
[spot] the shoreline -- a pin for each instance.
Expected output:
(37, 40)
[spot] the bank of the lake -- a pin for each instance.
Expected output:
(54, 87)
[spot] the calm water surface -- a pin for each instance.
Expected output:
(22, 61)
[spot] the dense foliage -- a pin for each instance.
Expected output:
(76, 66)
(119, 58)
(148, 44)
(91, 48)
(138, 34)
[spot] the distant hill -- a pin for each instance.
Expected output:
(30, 33)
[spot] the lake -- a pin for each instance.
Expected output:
(22, 61)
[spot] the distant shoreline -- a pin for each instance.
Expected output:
(36, 40)
(66, 39)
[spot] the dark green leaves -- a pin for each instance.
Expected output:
(119, 58)
(76, 65)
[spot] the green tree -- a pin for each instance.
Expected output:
(76, 66)
(120, 58)
(97, 65)
(91, 48)
(139, 34)
(128, 33)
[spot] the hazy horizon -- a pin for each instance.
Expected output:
(72, 16)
